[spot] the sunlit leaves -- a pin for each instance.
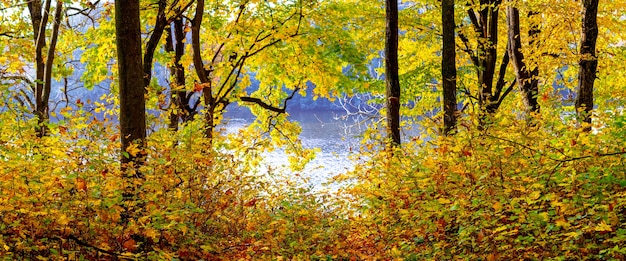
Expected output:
(505, 193)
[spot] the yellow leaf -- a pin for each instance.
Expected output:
(562, 222)
(444, 201)
(572, 235)
(603, 226)
(133, 149)
(63, 220)
(499, 229)
(151, 233)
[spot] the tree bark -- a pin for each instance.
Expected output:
(448, 67)
(588, 62)
(526, 79)
(131, 79)
(487, 47)
(47, 86)
(485, 23)
(391, 72)
(39, 20)
(159, 26)
(203, 74)
(179, 97)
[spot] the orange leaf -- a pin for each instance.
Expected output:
(492, 257)
(197, 87)
(130, 245)
(81, 185)
(497, 206)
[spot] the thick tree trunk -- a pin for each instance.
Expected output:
(132, 105)
(526, 79)
(131, 78)
(448, 67)
(391, 72)
(588, 61)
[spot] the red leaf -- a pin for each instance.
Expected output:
(250, 203)
(197, 87)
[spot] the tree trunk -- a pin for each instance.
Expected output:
(485, 24)
(203, 74)
(39, 20)
(588, 62)
(159, 26)
(391, 72)
(487, 47)
(448, 66)
(131, 79)
(526, 79)
(42, 108)
(178, 95)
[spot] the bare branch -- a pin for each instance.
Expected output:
(505, 93)
(501, 82)
(85, 244)
(16, 5)
(11, 35)
(268, 106)
(16, 78)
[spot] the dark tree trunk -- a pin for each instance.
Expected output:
(47, 88)
(179, 97)
(526, 79)
(448, 67)
(159, 26)
(487, 46)
(131, 79)
(588, 61)
(203, 74)
(490, 96)
(39, 20)
(391, 72)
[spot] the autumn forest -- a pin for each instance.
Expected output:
(494, 129)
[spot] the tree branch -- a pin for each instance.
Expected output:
(16, 78)
(85, 244)
(500, 83)
(505, 93)
(268, 106)
(467, 49)
(474, 19)
(155, 37)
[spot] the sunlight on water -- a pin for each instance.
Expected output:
(336, 138)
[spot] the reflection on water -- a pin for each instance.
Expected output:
(336, 138)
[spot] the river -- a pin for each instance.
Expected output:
(336, 137)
